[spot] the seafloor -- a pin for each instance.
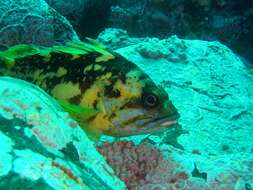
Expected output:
(200, 52)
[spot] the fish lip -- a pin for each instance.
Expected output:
(165, 118)
(160, 123)
(155, 125)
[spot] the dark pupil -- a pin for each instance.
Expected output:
(151, 100)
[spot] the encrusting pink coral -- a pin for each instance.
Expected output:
(142, 166)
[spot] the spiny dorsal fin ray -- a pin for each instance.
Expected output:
(95, 43)
(92, 47)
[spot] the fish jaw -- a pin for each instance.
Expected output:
(158, 124)
(161, 122)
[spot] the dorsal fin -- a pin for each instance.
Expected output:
(17, 51)
(74, 48)
(95, 43)
(92, 47)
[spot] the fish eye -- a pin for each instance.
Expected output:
(150, 100)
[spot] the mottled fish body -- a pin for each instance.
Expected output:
(84, 76)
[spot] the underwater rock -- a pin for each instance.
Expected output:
(162, 18)
(213, 92)
(227, 21)
(88, 17)
(71, 9)
(42, 147)
(114, 38)
(147, 17)
(32, 21)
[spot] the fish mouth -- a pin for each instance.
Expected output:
(162, 122)
(155, 125)
(158, 124)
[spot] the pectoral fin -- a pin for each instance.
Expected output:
(77, 112)
(82, 115)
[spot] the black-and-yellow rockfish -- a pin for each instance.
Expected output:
(103, 91)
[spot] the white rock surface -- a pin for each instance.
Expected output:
(42, 147)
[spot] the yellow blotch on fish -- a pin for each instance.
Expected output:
(91, 95)
(65, 91)
(101, 122)
(132, 87)
(97, 67)
(129, 90)
(105, 76)
(61, 72)
(87, 68)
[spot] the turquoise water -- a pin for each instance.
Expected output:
(138, 95)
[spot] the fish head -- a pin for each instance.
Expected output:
(146, 112)
(133, 104)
